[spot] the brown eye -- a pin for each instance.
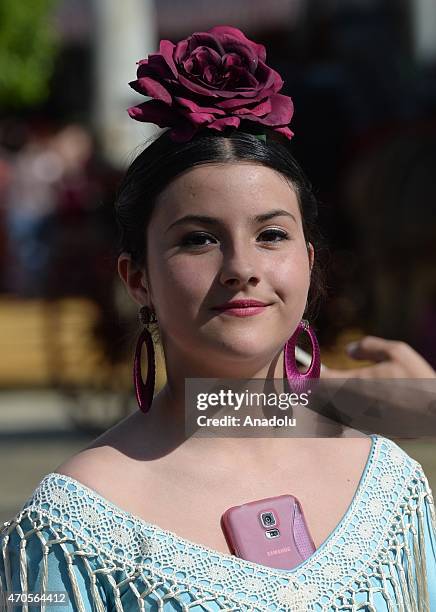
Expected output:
(273, 232)
(195, 239)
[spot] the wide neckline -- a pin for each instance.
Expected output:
(237, 561)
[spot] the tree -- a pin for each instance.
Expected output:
(28, 45)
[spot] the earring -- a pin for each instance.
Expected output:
(295, 378)
(145, 392)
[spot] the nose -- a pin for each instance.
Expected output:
(238, 269)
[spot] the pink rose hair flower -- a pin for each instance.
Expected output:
(213, 79)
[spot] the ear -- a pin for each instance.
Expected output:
(134, 279)
(311, 254)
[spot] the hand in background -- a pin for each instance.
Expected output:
(394, 359)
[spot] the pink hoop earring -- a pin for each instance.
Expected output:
(297, 379)
(144, 392)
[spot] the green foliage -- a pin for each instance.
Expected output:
(28, 46)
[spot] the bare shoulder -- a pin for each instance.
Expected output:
(92, 467)
(116, 478)
(102, 463)
(112, 468)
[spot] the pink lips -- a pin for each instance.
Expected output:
(242, 308)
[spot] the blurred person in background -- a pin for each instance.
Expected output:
(5, 177)
(30, 214)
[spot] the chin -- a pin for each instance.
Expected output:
(243, 351)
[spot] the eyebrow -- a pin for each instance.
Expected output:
(207, 220)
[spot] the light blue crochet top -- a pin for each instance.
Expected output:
(380, 557)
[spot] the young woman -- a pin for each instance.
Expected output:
(216, 210)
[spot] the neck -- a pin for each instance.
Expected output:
(165, 424)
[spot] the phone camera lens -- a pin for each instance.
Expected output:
(267, 519)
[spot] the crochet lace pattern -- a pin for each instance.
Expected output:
(378, 547)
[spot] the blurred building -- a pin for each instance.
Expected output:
(102, 40)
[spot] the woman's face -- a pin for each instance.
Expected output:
(195, 264)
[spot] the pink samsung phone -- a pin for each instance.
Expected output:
(270, 531)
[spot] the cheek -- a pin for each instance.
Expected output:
(180, 280)
(290, 275)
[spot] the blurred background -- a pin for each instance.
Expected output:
(362, 77)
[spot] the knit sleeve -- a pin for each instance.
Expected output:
(35, 558)
(422, 546)
(429, 521)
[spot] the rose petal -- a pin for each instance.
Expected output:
(193, 107)
(282, 109)
(205, 56)
(199, 118)
(212, 77)
(260, 110)
(155, 67)
(204, 39)
(285, 131)
(248, 56)
(240, 78)
(166, 48)
(224, 122)
(181, 51)
(150, 87)
(223, 32)
(281, 112)
(154, 111)
(210, 74)
(238, 102)
(198, 88)
(269, 78)
(200, 59)
(243, 96)
(213, 91)
(231, 59)
(188, 66)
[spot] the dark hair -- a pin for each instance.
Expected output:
(160, 162)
